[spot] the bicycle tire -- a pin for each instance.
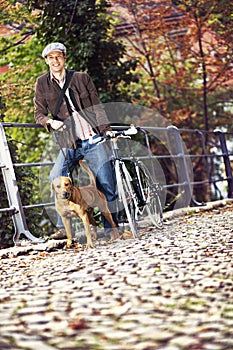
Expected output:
(126, 196)
(151, 196)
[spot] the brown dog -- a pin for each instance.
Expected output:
(79, 201)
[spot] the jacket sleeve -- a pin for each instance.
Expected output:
(101, 118)
(40, 106)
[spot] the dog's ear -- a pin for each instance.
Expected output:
(71, 183)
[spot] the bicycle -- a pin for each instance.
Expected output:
(138, 192)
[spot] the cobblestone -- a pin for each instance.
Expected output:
(171, 289)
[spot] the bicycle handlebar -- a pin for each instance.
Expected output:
(132, 130)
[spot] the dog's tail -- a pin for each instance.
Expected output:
(89, 172)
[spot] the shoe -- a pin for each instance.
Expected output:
(60, 234)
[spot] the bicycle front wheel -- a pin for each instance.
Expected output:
(151, 196)
(126, 196)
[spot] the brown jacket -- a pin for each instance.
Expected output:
(84, 94)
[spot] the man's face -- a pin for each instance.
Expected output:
(56, 61)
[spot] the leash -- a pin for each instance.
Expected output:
(59, 102)
(65, 154)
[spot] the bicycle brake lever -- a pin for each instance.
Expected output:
(131, 131)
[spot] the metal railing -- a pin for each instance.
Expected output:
(214, 151)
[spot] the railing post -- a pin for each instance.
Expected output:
(227, 162)
(12, 190)
(184, 170)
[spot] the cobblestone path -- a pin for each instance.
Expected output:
(171, 289)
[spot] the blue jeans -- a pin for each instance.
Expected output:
(98, 158)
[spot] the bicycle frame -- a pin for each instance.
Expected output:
(140, 200)
(120, 164)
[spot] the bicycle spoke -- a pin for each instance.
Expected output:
(151, 191)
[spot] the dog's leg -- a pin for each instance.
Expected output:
(92, 221)
(85, 219)
(108, 216)
(67, 223)
(86, 224)
(103, 207)
(94, 231)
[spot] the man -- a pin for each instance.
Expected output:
(81, 104)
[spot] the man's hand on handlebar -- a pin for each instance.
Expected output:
(109, 133)
(132, 130)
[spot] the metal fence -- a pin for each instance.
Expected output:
(190, 161)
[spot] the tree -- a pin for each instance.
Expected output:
(185, 54)
(21, 52)
(149, 40)
(212, 46)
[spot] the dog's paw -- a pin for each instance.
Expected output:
(68, 244)
(126, 235)
(89, 245)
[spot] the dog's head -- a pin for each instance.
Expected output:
(62, 186)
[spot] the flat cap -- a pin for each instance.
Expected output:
(53, 47)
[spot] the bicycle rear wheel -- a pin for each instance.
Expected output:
(151, 196)
(126, 196)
